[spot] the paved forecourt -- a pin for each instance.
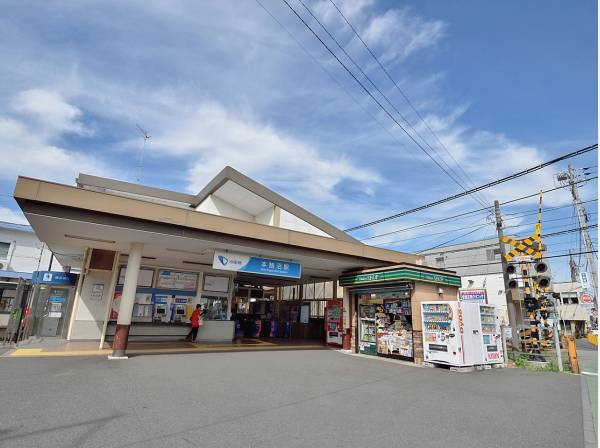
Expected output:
(280, 399)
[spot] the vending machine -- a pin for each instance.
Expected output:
(333, 322)
(451, 333)
(368, 331)
(491, 337)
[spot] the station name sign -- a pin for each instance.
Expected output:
(228, 261)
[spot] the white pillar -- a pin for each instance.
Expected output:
(134, 261)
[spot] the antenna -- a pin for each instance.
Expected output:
(146, 137)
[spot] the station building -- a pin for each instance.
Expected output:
(257, 263)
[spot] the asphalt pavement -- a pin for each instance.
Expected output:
(280, 399)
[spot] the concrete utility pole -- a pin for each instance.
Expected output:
(569, 178)
(510, 305)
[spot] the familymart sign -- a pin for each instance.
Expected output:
(399, 274)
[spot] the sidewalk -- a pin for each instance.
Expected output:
(587, 355)
(50, 347)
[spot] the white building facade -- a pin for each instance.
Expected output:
(479, 265)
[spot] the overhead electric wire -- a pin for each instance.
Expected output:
(479, 225)
(454, 176)
(454, 239)
(485, 209)
(406, 98)
(339, 84)
(481, 187)
(368, 92)
(495, 244)
(500, 262)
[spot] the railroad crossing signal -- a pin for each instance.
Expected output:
(528, 247)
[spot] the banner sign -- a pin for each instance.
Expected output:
(228, 261)
(399, 275)
(53, 278)
(472, 295)
(177, 280)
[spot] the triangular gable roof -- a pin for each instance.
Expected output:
(230, 174)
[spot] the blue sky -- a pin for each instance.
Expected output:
(504, 85)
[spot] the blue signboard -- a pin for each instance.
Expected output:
(53, 278)
(228, 261)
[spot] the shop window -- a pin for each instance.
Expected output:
(4, 248)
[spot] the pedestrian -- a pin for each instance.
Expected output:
(195, 322)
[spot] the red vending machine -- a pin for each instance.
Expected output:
(333, 322)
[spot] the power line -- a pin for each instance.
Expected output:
(454, 239)
(473, 226)
(481, 187)
(547, 235)
(499, 262)
(339, 84)
(454, 176)
(471, 212)
(368, 92)
(406, 98)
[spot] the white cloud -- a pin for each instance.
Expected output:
(8, 215)
(212, 137)
(49, 111)
(31, 149)
(397, 34)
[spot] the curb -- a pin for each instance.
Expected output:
(590, 439)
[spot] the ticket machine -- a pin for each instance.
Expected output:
(180, 309)
(162, 308)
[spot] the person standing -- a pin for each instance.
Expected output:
(195, 322)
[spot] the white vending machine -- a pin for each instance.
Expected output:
(491, 337)
(451, 333)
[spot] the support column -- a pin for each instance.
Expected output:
(127, 300)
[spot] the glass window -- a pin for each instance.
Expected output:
(6, 299)
(4, 247)
(215, 308)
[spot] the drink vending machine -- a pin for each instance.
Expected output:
(491, 337)
(333, 322)
(460, 334)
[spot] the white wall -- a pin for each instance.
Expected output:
(90, 313)
(26, 253)
(216, 206)
(494, 284)
(266, 217)
(292, 222)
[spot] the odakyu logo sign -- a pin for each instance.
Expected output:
(228, 261)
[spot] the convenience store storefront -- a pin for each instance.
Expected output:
(385, 307)
(149, 256)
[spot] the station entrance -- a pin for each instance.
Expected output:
(278, 313)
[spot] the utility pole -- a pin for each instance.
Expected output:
(569, 178)
(510, 305)
(573, 268)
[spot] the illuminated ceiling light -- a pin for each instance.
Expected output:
(86, 238)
